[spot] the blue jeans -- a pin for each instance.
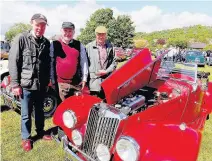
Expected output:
(29, 99)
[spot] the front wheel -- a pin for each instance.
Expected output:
(50, 104)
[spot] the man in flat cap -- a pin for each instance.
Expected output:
(70, 62)
(101, 61)
(29, 68)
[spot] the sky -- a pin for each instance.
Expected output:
(147, 16)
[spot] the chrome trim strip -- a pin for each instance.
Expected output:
(65, 143)
(130, 139)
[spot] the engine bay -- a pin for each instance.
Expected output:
(148, 96)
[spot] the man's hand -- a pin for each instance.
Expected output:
(101, 72)
(82, 84)
(52, 84)
(17, 91)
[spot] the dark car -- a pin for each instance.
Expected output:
(209, 57)
(195, 56)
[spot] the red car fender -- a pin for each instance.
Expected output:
(207, 106)
(159, 141)
(80, 105)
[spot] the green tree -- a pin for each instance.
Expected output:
(121, 31)
(179, 36)
(208, 47)
(140, 43)
(15, 30)
(99, 17)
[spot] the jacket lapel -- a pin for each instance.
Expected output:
(108, 49)
(96, 51)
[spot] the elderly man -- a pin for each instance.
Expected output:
(70, 64)
(101, 60)
(29, 68)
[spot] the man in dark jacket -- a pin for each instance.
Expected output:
(29, 68)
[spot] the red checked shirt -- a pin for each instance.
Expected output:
(102, 56)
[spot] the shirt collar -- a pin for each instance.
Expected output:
(71, 41)
(34, 36)
(95, 45)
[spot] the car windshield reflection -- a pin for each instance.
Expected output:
(186, 71)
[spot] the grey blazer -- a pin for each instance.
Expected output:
(94, 64)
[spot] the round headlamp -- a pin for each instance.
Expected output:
(69, 119)
(76, 137)
(127, 149)
(102, 152)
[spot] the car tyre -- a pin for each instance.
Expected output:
(49, 105)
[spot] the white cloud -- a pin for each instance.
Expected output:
(152, 18)
(147, 19)
(22, 12)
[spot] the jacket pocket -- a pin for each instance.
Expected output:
(26, 78)
(29, 57)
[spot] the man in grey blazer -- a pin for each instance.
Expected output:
(101, 60)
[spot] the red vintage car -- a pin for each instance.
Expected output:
(151, 112)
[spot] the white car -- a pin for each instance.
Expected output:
(4, 71)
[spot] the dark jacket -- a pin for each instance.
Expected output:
(29, 62)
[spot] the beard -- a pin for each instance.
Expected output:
(67, 38)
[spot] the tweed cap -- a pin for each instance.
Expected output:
(39, 18)
(68, 25)
(101, 29)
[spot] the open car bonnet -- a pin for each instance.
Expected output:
(135, 74)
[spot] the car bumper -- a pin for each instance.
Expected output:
(10, 101)
(71, 153)
(200, 63)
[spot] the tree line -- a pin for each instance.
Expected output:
(121, 32)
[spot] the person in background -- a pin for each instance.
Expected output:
(29, 68)
(102, 61)
(69, 62)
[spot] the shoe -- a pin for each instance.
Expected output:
(47, 137)
(26, 145)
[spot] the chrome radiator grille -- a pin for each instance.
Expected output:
(100, 130)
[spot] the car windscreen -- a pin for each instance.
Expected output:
(186, 71)
(194, 53)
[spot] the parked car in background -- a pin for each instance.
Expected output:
(120, 54)
(209, 57)
(149, 113)
(5, 47)
(195, 56)
(51, 99)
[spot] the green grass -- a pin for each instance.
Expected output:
(11, 149)
(206, 145)
(50, 150)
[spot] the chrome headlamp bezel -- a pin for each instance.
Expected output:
(76, 136)
(135, 146)
(103, 152)
(69, 119)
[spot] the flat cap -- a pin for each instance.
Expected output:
(68, 25)
(101, 29)
(39, 18)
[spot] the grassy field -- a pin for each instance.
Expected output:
(50, 150)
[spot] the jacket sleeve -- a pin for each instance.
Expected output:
(113, 64)
(15, 60)
(52, 64)
(83, 63)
